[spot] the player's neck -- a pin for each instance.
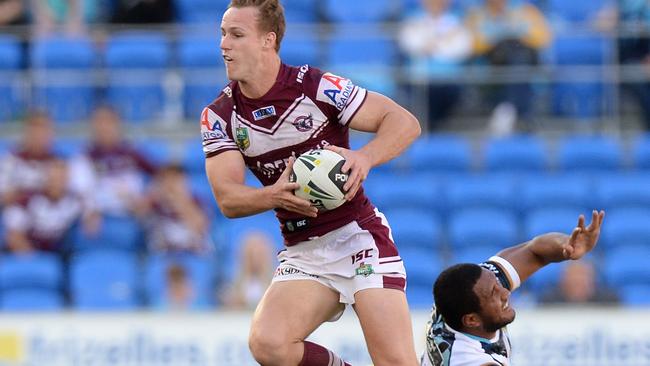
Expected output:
(263, 80)
(480, 334)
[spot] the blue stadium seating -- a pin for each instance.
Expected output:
(136, 62)
(566, 191)
(477, 254)
(201, 11)
(63, 78)
(589, 153)
(366, 61)
(69, 147)
(155, 150)
(203, 73)
(193, 158)
(104, 280)
(482, 227)
(546, 278)
(575, 11)
(389, 191)
(300, 11)
(635, 295)
(422, 267)
(623, 191)
(544, 220)
(626, 227)
(439, 153)
(627, 265)
(31, 300)
(123, 233)
(34, 271)
(641, 152)
(515, 153)
(361, 11)
(301, 48)
(200, 271)
(10, 62)
(415, 228)
(489, 190)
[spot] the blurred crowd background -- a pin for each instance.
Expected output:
(534, 112)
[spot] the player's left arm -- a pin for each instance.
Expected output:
(529, 257)
(394, 127)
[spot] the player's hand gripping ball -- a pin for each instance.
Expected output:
(321, 181)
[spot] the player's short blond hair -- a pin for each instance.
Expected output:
(270, 19)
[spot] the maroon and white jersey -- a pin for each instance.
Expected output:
(43, 219)
(305, 109)
(23, 172)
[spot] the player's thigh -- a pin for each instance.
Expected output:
(386, 323)
(291, 310)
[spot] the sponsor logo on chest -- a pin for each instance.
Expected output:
(264, 112)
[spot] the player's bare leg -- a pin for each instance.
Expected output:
(288, 313)
(386, 323)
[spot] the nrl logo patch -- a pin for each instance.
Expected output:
(242, 139)
(364, 270)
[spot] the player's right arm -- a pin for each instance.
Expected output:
(529, 257)
(226, 173)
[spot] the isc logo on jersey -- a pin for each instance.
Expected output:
(334, 90)
(211, 130)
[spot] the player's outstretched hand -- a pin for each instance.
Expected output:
(357, 166)
(583, 239)
(283, 197)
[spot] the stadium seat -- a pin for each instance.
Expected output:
(193, 157)
(34, 271)
(559, 191)
(104, 280)
(136, 63)
(589, 153)
(623, 191)
(201, 11)
(415, 228)
(515, 153)
(155, 150)
(203, 73)
(544, 220)
(486, 190)
(439, 153)
(422, 267)
(63, 77)
(635, 295)
(123, 233)
(361, 11)
(200, 271)
(367, 61)
(31, 300)
(575, 11)
(641, 152)
(476, 254)
(627, 265)
(546, 278)
(626, 226)
(390, 191)
(300, 12)
(482, 227)
(301, 48)
(10, 63)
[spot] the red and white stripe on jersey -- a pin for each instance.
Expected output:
(213, 133)
(342, 94)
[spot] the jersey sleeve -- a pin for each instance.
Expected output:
(505, 272)
(213, 134)
(340, 95)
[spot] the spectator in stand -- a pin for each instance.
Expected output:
(579, 286)
(40, 221)
(437, 44)
(180, 292)
(143, 11)
(111, 172)
(12, 12)
(509, 34)
(254, 275)
(70, 15)
(24, 170)
(175, 219)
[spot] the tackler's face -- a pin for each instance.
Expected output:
(496, 311)
(241, 42)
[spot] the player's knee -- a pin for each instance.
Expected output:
(268, 349)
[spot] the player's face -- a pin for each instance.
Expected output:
(241, 42)
(496, 311)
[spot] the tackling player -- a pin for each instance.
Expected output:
(472, 309)
(269, 113)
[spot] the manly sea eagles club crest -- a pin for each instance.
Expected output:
(303, 123)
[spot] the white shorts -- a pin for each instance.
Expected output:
(354, 257)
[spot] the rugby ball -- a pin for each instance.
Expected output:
(321, 181)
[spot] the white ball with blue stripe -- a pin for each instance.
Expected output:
(321, 181)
